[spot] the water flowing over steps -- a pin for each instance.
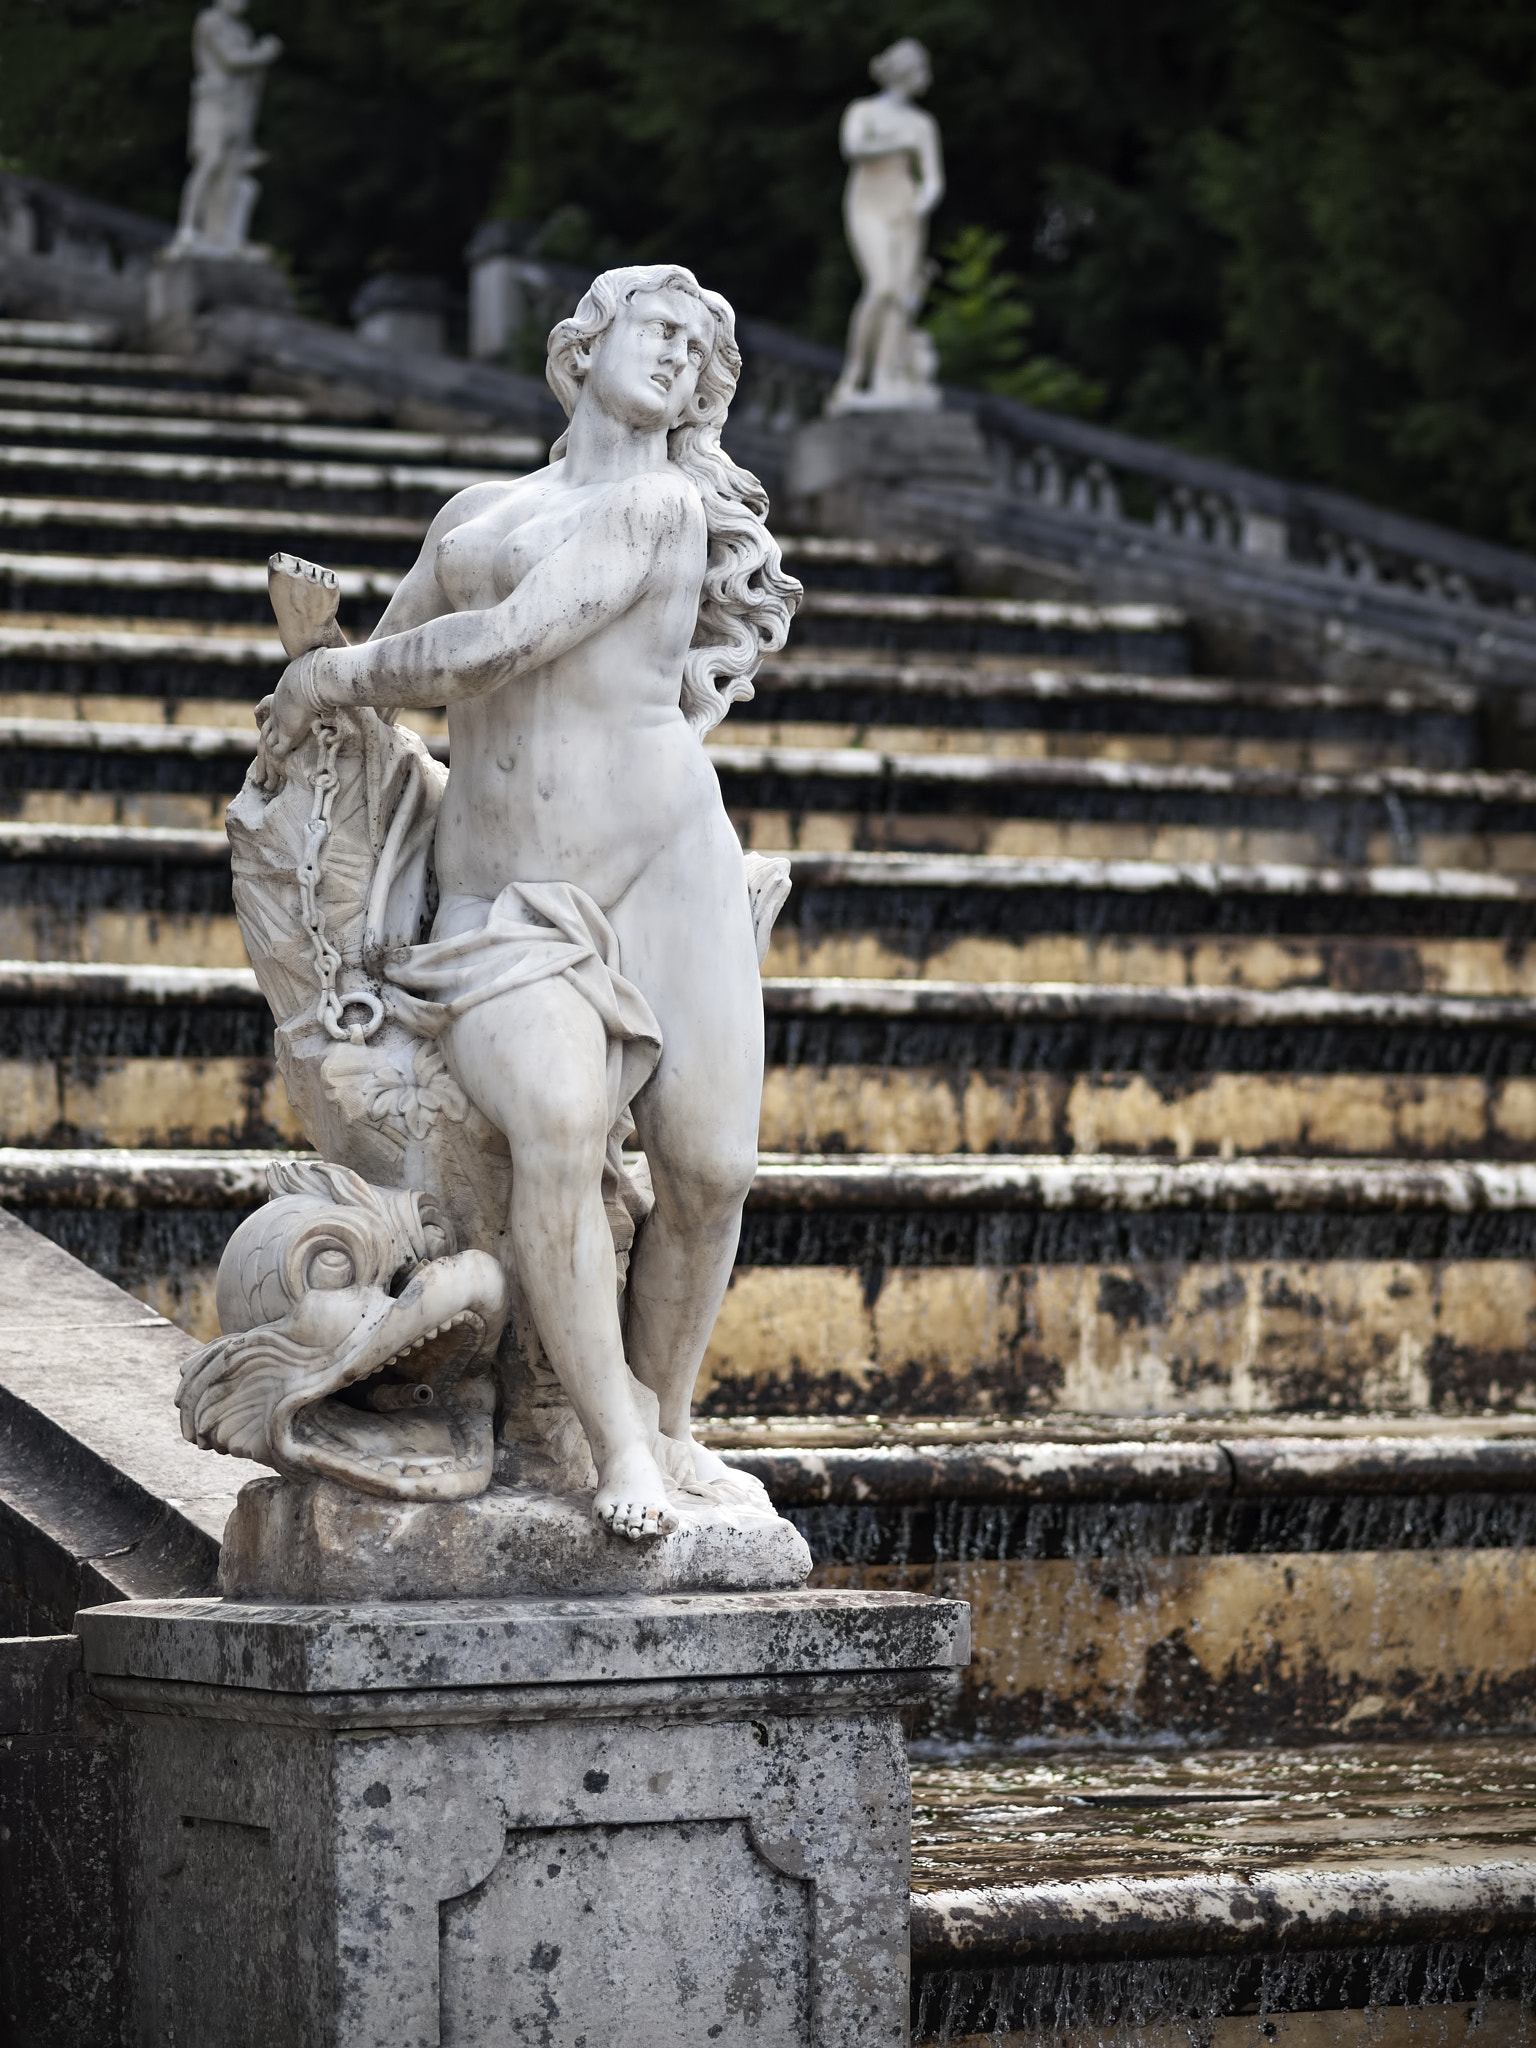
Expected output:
(1142, 1248)
(1227, 1896)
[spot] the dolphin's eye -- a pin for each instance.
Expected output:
(330, 1268)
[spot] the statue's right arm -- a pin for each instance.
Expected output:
(418, 595)
(638, 534)
(232, 45)
(854, 137)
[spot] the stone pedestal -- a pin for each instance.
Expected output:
(396, 310)
(666, 1822)
(183, 283)
(841, 467)
(316, 1541)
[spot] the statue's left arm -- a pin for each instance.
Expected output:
(930, 165)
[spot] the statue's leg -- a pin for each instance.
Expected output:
(535, 1063)
(863, 330)
(194, 195)
(687, 944)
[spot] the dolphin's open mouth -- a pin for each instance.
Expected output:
(413, 1407)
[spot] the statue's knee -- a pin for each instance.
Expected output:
(560, 1138)
(706, 1192)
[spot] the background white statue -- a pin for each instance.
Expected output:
(896, 180)
(229, 65)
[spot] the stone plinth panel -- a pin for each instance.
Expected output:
(667, 1821)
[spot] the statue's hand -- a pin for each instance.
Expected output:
(305, 598)
(286, 716)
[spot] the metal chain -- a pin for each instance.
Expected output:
(317, 830)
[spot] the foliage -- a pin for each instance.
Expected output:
(1373, 193)
(980, 321)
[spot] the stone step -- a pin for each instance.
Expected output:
(1357, 1893)
(104, 1055)
(41, 393)
(51, 430)
(1274, 925)
(141, 588)
(1430, 725)
(1144, 637)
(1015, 1285)
(238, 480)
(124, 366)
(807, 783)
(59, 334)
(832, 562)
(121, 704)
(245, 535)
(145, 895)
(1465, 820)
(857, 798)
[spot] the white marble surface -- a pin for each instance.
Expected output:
(895, 180)
(486, 980)
(230, 65)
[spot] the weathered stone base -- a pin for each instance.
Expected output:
(321, 1542)
(182, 284)
(666, 1822)
(841, 469)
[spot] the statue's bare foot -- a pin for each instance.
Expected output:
(730, 1487)
(632, 1496)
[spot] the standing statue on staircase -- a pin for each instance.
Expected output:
(229, 66)
(485, 980)
(895, 181)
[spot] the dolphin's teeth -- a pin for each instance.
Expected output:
(431, 1333)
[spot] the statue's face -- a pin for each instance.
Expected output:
(645, 369)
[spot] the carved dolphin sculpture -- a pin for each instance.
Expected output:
(357, 1341)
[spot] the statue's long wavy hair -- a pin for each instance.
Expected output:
(747, 600)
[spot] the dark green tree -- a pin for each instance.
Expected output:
(1374, 194)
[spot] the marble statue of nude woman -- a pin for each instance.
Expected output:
(895, 180)
(592, 953)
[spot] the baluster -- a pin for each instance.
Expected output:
(1331, 548)
(1163, 520)
(1106, 493)
(1080, 498)
(1361, 562)
(1456, 589)
(1223, 526)
(1191, 526)
(1050, 483)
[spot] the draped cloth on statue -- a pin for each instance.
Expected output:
(534, 930)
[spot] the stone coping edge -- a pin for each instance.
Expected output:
(1253, 1468)
(118, 1177)
(437, 1645)
(1119, 1917)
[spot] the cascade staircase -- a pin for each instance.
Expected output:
(1143, 1242)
